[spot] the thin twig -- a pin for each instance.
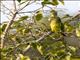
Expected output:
(42, 37)
(32, 35)
(31, 11)
(7, 8)
(6, 13)
(74, 18)
(14, 3)
(25, 5)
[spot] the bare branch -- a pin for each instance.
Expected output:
(14, 3)
(31, 11)
(7, 8)
(42, 37)
(26, 5)
(74, 18)
(3, 38)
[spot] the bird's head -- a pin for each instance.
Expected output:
(53, 15)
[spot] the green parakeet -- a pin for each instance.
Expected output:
(55, 23)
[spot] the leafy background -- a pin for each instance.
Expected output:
(30, 37)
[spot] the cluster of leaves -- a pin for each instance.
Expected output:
(32, 39)
(23, 34)
(46, 2)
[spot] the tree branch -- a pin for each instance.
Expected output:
(14, 3)
(25, 5)
(3, 38)
(6, 8)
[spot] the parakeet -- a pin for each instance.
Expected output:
(55, 23)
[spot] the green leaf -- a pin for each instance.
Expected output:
(40, 49)
(66, 16)
(78, 32)
(46, 0)
(19, 0)
(3, 27)
(17, 39)
(43, 4)
(0, 30)
(25, 31)
(27, 58)
(23, 18)
(68, 27)
(34, 45)
(78, 25)
(55, 2)
(73, 49)
(17, 23)
(62, 1)
(4, 50)
(38, 16)
(23, 2)
(68, 56)
(22, 57)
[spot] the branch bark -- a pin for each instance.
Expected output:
(3, 38)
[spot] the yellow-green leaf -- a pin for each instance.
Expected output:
(68, 27)
(55, 2)
(72, 48)
(23, 18)
(62, 1)
(28, 58)
(4, 26)
(25, 31)
(38, 16)
(68, 57)
(40, 49)
(78, 32)
(19, 0)
(22, 57)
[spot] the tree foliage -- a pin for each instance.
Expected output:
(32, 38)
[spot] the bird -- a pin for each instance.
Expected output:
(56, 24)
